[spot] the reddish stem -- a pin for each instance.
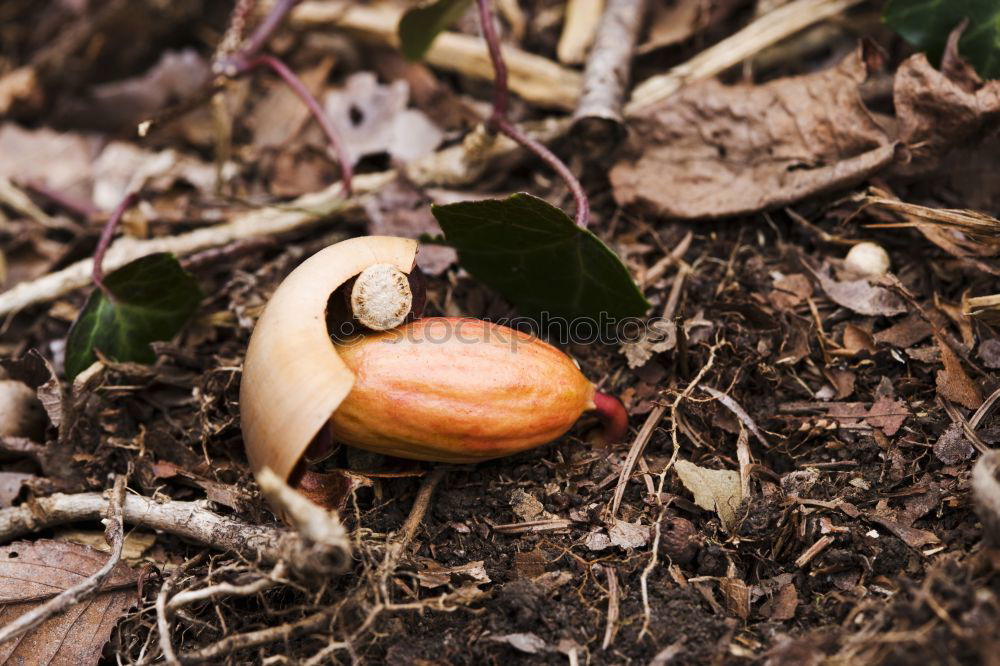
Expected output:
(105, 241)
(299, 88)
(499, 120)
(249, 58)
(614, 419)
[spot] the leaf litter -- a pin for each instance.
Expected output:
(851, 520)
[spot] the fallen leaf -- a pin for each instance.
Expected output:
(597, 540)
(33, 572)
(953, 383)
(847, 413)
(432, 574)
(280, 115)
(713, 489)
(59, 160)
(789, 291)
(936, 114)
(372, 118)
(529, 643)
(782, 606)
(857, 339)
(906, 332)
(658, 337)
(527, 507)
(887, 414)
(535, 255)
(952, 447)
(861, 296)
(911, 536)
(153, 298)
(737, 597)
(842, 380)
(712, 150)
(628, 535)
(37, 372)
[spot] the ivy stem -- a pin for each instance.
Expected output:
(500, 122)
(97, 273)
(249, 57)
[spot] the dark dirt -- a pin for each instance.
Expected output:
(854, 546)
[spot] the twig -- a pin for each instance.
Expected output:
(163, 614)
(188, 597)
(184, 519)
(579, 28)
(249, 58)
(420, 505)
(598, 119)
(498, 119)
(638, 446)
(613, 608)
(115, 535)
(647, 613)
(97, 272)
(228, 645)
(762, 33)
(729, 403)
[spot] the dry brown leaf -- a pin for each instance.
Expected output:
(737, 597)
(716, 490)
(279, 116)
(937, 114)
(847, 413)
(628, 535)
(887, 414)
(911, 536)
(59, 160)
(905, 333)
(842, 381)
(401, 209)
(989, 353)
(432, 574)
(861, 296)
(857, 339)
(33, 572)
(789, 291)
(713, 150)
(782, 606)
(953, 383)
(952, 447)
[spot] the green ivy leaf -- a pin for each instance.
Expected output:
(537, 257)
(420, 25)
(927, 23)
(151, 298)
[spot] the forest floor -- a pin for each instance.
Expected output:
(849, 413)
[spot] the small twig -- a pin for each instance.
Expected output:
(638, 446)
(163, 613)
(188, 520)
(188, 597)
(216, 651)
(729, 403)
(613, 608)
(499, 121)
(647, 613)
(115, 535)
(598, 118)
(420, 505)
(107, 234)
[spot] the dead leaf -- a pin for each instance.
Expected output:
(953, 383)
(906, 332)
(33, 572)
(790, 291)
(713, 489)
(842, 380)
(713, 150)
(628, 535)
(527, 507)
(952, 448)
(737, 597)
(59, 160)
(597, 540)
(433, 575)
(911, 536)
(279, 116)
(373, 118)
(887, 414)
(858, 339)
(135, 546)
(529, 643)
(847, 413)
(861, 296)
(937, 114)
(35, 370)
(782, 606)
(659, 336)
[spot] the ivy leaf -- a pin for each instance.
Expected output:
(537, 257)
(420, 25)
(151, 298)
(927, 23)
